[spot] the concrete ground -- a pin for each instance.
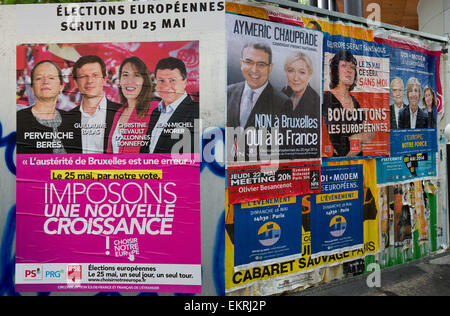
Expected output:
(426, 277)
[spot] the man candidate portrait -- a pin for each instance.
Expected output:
(255, 95)
(95, 113)
(173, 120)
(397, 91)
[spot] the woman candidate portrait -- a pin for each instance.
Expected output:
(42, 128)
(128, 132)
(412, 116)
(430, 106)
(299, 70)
(343, 79)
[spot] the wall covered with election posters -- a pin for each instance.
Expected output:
(376, 204)
(217, 148)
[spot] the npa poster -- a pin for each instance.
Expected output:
(416, 94)
(356, 98)
(400, 169)
(108, 162)
(267, 231)
(266, 181)
(337, 211)
(274, 77)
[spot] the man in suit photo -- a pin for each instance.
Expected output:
(397, 90)
(255, 95)
(173, 120)
(95, 113)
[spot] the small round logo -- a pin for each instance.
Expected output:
(338, 225)
(269, 234)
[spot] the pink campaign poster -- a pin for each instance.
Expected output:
(108, 167)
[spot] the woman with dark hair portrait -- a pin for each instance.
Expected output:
(131, 120)
(338, 100)
(42, 128)
(430, 105)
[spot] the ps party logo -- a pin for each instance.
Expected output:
(33, 272)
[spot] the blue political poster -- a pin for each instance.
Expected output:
(402, 169)
(337, 211)
(415, 95)
(267, 231)
(408, 141)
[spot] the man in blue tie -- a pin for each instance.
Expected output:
(255, 100)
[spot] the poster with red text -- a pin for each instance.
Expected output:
(268, 181)
(355, 106)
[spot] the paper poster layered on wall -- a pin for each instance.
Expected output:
(337, 211)
(267, 231)
(416, 93)
(278, 273)
(108, 163)
(408, 221)
(337, 27)
(270, 12)
(400, 169)
(356, 95)
(274, 90)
